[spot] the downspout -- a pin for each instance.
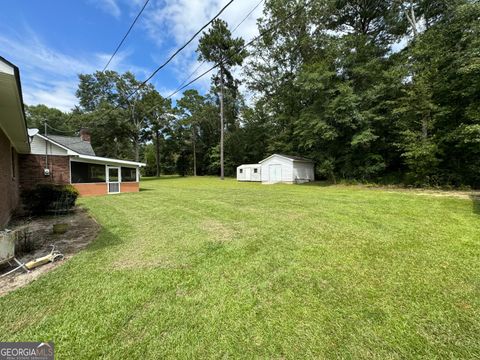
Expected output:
(46, 149)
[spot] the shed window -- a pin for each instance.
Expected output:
(129, 174)
(87, 173)
(241, 171)
(255, 170)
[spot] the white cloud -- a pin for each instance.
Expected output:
(178, 20)
(109, 6)
(60, 95)
(50, 76)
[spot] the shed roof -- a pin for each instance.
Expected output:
(289, 157)
(74, 143)
(248, 165)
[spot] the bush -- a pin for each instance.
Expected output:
(49, 198)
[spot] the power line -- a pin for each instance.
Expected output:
(61, 131)
(246, 17)
(180, 49)
(263, 33)
(172, 56)
(126, 34)
(233, 31)
(169, 59)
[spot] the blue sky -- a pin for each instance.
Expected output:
(51, 41)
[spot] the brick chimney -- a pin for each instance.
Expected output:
(85, 135)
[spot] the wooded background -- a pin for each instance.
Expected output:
(383, 91)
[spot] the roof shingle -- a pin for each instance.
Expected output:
(74, 143)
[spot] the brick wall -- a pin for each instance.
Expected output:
(9, 181)
(92, 189)
(32, 166)
(129, 187)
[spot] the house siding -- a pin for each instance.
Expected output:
(9, 193)
(247, 172)
(32, 167)
(286, 169)
(39, 146)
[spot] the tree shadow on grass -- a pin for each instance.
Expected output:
(162, 177)
(145, 189)
(476, 203)
(104, 239)
(318, 183)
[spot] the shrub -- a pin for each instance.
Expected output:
(49, 198)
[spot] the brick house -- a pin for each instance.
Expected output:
(28, 158)
(13, 138)
(72, 160)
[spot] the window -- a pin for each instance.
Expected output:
(129, 174)
(241, 171)
(87, 173)
(255, 171)
(12, 151)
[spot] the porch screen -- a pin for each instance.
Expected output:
(87, 173)
(129, 174)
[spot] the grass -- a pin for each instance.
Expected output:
(199, 268)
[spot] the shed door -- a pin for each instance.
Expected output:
(248, 174)
(275, 173)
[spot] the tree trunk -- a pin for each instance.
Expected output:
(412, 19)
(157, 153)
(221, 124)
(136, 140)
(425, 128)
(194, 138)
(136, 148)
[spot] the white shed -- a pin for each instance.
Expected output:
(287, 169)
(249, 172)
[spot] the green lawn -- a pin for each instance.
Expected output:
(199, 268)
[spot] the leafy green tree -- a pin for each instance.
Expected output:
(101, 90)
(190, 107)
(38, 115)
(218, 46)
(159, 115)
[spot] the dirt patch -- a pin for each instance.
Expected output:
(428, 192)
(81, 229)
(217, 230)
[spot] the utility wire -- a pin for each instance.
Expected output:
(180, 49)
(62, 131)
(126, 34)
(171, 57)
(263, 33)
(246, 17)
(233, 31)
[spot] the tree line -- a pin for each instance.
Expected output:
(385, 91)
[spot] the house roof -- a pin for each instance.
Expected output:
(74, 150)
(103, 160)
(12, 114)
(289, 157)
(74, 143)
